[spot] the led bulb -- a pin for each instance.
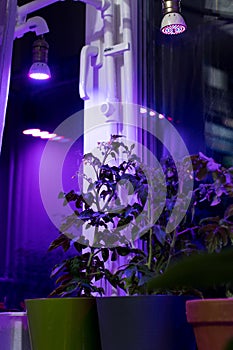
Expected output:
(172, 24)
(39, 71)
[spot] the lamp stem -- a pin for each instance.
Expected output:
(171, 6)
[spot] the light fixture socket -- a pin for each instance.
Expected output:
(170, 6)
(40, 50)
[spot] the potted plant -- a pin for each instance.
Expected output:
(210, 269)
(78, 274)
(211, 317)
(114, 207)
(70, 322)
(201, 230)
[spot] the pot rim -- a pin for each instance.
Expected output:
(210, 310)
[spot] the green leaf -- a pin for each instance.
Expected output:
(123, 251)
(215, 201)
(142, 194)
(160, 234)
(197, 271)
(67, 277)
(57, 268)
(201, 173)
(71, 196)
(98, 276)
(90, 187)
(86, 214)
(214, 219)
(132, 147)
(144, 231)
(113, 154)
(229, 211)
(62, 241)
(79, 247)
(114, 255)
(105, 254)
(124, 222)
(88, 198)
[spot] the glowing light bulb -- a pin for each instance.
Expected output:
(31, 131)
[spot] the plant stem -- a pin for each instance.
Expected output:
(172, 246)
(89, 260)
(150, 250)
(97, 200)
(187, 230)
(106, 156)
(107, 202)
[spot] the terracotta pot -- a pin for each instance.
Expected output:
(212, 320)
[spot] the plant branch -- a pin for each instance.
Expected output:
(172, 246)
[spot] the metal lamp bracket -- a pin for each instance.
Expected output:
(116, 49)
(89, 54)
(34, 24)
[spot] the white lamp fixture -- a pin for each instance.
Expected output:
(172, 22)
(39, 69)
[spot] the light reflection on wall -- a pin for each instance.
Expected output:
(219, 138)
(218, 102)
(217, 70)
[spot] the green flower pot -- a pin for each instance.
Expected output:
(63, 324)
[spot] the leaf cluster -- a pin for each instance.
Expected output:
(116, 196)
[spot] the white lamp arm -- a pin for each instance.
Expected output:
(34, 24)
(87, 52)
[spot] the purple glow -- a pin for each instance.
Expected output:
(58, 138)
(152, 114)
(30, 131)
(161, 116)
(39, 133)
(39, 76)
(48, 136)
(143, 110)
(65, 140)
(44, 135)
(173, 29)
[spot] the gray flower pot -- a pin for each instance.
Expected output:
(144, 322)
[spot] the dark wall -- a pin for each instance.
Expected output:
(173, 80)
